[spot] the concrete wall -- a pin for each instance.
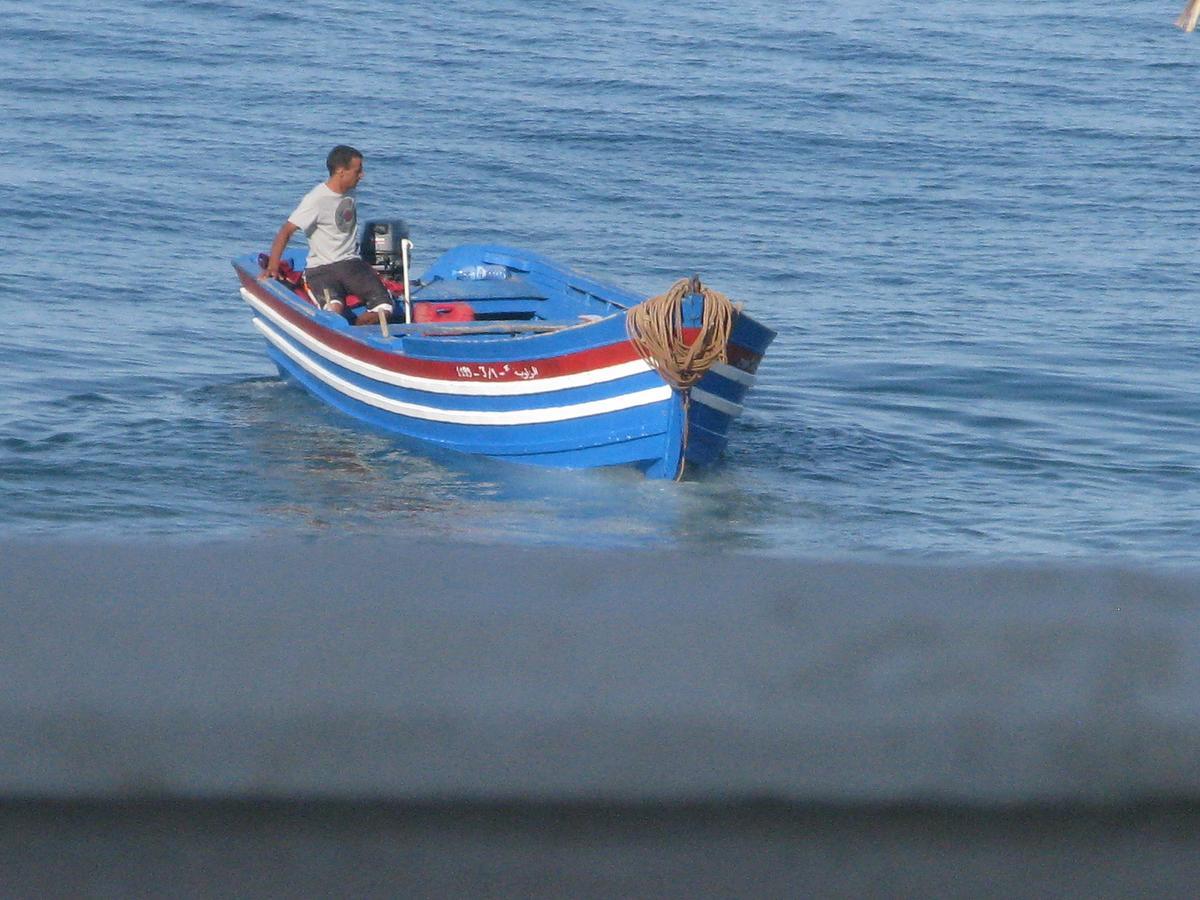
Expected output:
(480, 719)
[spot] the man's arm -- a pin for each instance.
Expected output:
(284, 235)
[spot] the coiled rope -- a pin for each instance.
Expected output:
(655, 327)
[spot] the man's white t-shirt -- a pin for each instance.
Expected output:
(330, 221)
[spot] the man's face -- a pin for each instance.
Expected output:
(351, 175)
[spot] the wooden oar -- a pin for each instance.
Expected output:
(1190, 15)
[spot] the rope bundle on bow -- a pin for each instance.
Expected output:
(655, 327)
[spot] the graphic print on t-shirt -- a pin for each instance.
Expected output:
(345, 215)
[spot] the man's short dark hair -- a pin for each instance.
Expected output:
(340, 157)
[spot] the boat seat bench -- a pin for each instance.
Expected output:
(449, 291)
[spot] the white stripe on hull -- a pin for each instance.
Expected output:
(720, 404)
(464, 416)
(733, 373)
(441, 385)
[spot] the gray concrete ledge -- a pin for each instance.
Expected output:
(306, 849)
(411, 672)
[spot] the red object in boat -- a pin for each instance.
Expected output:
(443, 312)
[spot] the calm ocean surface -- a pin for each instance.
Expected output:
(974, 227)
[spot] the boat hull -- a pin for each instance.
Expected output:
(579, 396)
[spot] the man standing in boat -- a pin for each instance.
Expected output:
(328, 216)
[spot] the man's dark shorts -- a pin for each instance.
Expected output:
(347, 276)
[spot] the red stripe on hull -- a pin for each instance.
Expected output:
(547, 367)
(739, 357)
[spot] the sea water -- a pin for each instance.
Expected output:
(973, 226)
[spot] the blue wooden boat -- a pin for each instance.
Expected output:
(531, 362)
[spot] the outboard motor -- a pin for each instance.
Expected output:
(380, 245)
